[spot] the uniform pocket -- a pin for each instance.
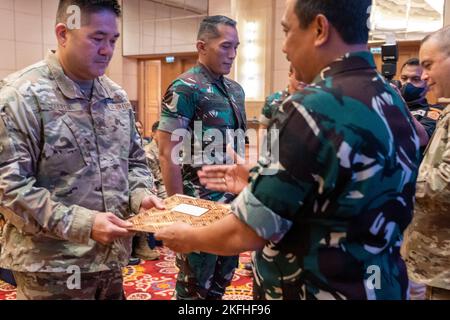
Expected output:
(65, 148)
(6, 146)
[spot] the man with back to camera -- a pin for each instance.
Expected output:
(71, 164)
(329, 223)
(197, 103)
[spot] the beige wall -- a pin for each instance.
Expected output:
(280, 64)
(447, 13)
(277, 67)
(150, 27)
(222, 7)
(26, 32)
(124, 71)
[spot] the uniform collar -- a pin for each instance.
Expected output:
(209, 75)
(351, 61)
(69, 88)
(445, 101)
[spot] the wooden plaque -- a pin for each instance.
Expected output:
(205, 213)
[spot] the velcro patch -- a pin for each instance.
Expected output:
(119, 106)
(6, 149)
(434, 114)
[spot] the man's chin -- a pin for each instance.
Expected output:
(98, 73)
(226, 71)
(437, 93)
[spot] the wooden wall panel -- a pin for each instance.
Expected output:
(155, 76)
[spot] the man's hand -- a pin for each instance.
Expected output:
(177, 237)
(225, 178)
(108, 227)
(152, 202)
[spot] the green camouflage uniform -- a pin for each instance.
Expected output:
(63, 158)
(197, 99)
(342, 193)
(427, 240)
(272, 103)
(152, 154)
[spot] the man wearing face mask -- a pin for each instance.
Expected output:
(414, 91)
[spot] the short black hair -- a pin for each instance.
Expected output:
(87, 7)
(411, 62)
(349, 17)
(208, 27)
(155, 126)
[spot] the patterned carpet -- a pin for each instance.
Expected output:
(155, 280)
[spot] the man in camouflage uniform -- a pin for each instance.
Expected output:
(142, 240)
(203, 105)
(427, 240)
(71, 165)
(152, 154)
(274, 101)
(328, 224)
(414, 91)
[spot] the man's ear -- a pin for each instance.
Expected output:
(322, 30)
(61, 32)
(201, 46)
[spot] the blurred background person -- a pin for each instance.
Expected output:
(274, 101)
(414, 90)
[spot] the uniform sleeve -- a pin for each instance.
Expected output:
(267, 111)
(294, 176)
(153, 162)
(24, 204)
(434, 180)
(140, 178)
(178, 107)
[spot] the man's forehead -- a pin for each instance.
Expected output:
(411, 69)
(98, 18)
(430, 47)
(290, 18)
(289, 11)
(104, 32)
(227, 33)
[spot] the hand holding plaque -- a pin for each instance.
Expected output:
(180, 208)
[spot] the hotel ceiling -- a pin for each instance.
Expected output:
(406, 19)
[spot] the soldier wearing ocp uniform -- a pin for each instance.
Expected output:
(427, 245)
(152, 153)
(427, 240)
(56, 173)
